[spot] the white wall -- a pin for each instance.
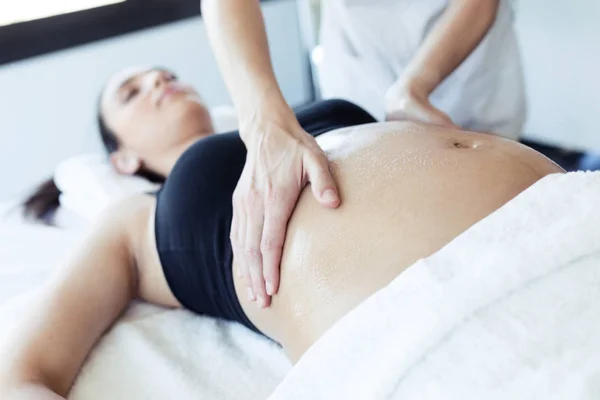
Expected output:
(47, 104)
(560, 40)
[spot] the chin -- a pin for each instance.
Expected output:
(194, 116)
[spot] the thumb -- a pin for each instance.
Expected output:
(444, 120)
(323, 186)
(439, 117)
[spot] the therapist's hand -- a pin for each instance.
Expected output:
(282, 158)
(407, 101)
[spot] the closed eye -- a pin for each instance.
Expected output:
(131, 93)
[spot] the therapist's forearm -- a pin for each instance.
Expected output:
(237, 35)
(456, 34)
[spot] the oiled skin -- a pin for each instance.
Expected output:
(407, 190)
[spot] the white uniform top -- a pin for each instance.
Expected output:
(368, 43)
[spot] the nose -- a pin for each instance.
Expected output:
(158, 78)
(153, 80)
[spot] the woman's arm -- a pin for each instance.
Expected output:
(282, 158)
(48, 348)
(457, 33)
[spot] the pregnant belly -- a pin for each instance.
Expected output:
(407, 190)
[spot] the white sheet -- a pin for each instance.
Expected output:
(508, 310)
(29, 252)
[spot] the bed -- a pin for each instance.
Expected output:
(509, 309)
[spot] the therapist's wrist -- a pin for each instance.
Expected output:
(267, 111)
(419, 83)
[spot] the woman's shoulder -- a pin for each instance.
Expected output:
(128, 212)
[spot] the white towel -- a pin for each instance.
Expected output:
(508, 310)
(154, 353)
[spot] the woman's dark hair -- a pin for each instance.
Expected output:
(42, 204)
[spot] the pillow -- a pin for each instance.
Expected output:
(89, 183)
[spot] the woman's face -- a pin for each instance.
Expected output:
(150, 113)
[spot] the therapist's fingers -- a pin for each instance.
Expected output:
(414, 108)
(238, 244)
(278, 209)
(254, 231)
(322, 183)
(435, 116)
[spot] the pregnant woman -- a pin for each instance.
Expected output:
(406, 190)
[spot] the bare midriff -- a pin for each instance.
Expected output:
(407, 190)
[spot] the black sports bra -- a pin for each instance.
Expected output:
(194, 213)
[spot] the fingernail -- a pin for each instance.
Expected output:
(270, 289)
(329, 195)
(262, 301)
(250, 295)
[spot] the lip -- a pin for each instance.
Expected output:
(169, 90)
